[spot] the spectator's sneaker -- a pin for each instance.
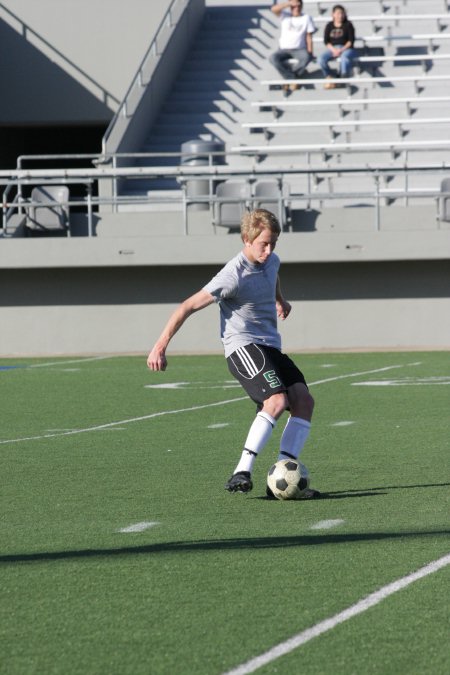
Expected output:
(329, 85)
(309, 493)
(239, 482)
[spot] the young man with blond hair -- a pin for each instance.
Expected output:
(249, 295)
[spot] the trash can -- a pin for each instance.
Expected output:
(197, 152)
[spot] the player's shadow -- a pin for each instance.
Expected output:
(342, 494)
(404, 487)
(245, 543)
(369, 492)
(375, 491)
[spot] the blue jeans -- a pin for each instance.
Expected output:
(281, 56)
(346, 58)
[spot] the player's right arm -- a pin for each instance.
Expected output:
(157, 358)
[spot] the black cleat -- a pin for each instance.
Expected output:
(239, 482)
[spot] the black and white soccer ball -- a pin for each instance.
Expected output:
(288, 479)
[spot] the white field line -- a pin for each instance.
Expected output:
(127, 421)
(327, 524)
(344, 423)
(138, 527)
(364, 372)
(182, 410)
(63, 363)
(328, 624)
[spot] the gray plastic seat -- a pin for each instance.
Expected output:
(272, 195)
(54, 212)
(232, 199)
(444, 202)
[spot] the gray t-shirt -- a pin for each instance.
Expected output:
(246, 293)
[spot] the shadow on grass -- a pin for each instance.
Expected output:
(368, 492)
(342, 494)
(397, 487)
(375, 491)
(218, 545)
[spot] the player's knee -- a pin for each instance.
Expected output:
(301, 402)
(276, 404)
(308, 403)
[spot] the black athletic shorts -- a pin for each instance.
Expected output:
(263, 371)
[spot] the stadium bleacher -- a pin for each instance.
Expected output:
(222, 93)
(226, 91)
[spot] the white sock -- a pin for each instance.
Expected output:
(258, 435)
(294, 438)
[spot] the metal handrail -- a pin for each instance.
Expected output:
(97, 171)
(91, 202)
(139, 78)
(202, 172)
(183, 174)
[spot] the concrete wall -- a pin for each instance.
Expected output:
(113, 295)
(67, 61)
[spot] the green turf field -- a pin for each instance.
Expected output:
(121, 552)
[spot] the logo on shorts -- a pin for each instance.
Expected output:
(272, 379)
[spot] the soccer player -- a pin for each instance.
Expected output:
(249, 295)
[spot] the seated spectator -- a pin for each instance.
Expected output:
(339, 37)
(295, 41)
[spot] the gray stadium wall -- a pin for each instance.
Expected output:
(113, 295)
(66, 60)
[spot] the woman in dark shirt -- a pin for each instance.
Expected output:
(339, 37)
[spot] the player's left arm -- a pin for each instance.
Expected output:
(283, 306)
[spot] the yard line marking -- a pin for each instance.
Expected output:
(61, 363)
(344, 423)
(182, 410)
(218, 426)
(193, 385)
(131, 419)
(327, 524)
(328, 624)
(405, 382)
(365, 372)
(166, 385)
(138, 527)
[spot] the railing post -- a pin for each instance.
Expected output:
(114, 185)
(89, 207)
(308, 178)
(377, 201)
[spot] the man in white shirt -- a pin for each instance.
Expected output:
(295, 40)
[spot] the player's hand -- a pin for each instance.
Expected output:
(283, 309)
(157, 359)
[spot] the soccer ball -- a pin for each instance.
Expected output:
(288, 479)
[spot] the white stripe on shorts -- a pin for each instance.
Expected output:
(247, 361)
